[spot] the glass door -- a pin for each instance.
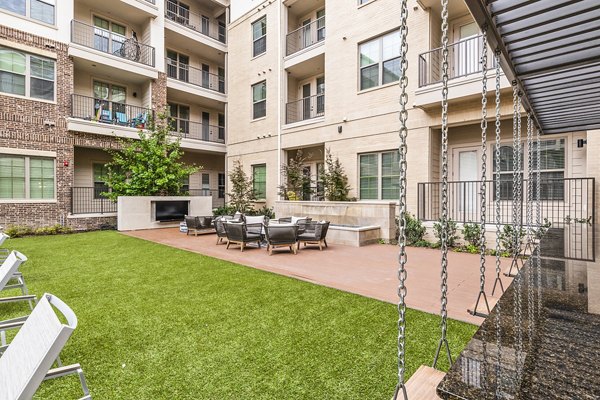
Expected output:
(320, 95)
(321, 25)
(306, 101)
(468, 50)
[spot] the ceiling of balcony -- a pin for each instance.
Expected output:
(300, 8)
(552, 49)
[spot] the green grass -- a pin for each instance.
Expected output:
(161, 323)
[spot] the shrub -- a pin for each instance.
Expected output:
(264, 210)
(333, 179)
(422, 243)
(414, 229)
(15, 231)
(472, 234)
(507, 238)
(224, 210)
(471, 248)
(452, 237)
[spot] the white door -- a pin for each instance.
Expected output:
(468, 50)
(467, 188)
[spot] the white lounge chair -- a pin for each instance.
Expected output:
(27, 361)
(9, 270)
(3, 251)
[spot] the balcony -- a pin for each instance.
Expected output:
(195, 76)
(305, 36)
(197, 131)
(207, 27)
(113, 44)
(308, 108)
(108, 112)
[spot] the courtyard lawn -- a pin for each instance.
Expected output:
(160, 323)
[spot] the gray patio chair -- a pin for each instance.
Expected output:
(282, 235)
(239, 233)
(27, 361)
(285, 220)
(218, 223)
(256, 223)
(192, 224)
(314, 233)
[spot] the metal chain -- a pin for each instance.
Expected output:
(519, 175)
(403, 149)
(538, 218)
(529, 205)
(444, 222)
(483, 196)
(515, 168)
(519, 278)
(498, 281)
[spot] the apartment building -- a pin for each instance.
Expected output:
(323, 74)
(77, 75)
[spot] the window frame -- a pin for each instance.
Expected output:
(28, 76)
(28, 16)
(263, 36)
(254, 103)
(221, 179)
(27, 180)
(255, 167)
(379, 176)
(380, 63)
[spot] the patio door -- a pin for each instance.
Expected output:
(205, 126)
(468, 50)
(306, 101)
(465, 191)
(306, 27)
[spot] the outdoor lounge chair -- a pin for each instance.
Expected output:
(27, 361)
(282, 235)
(240, 233)
(218, 224)
(196, 225)
(9, 270)
(313, 233)
(3, 251)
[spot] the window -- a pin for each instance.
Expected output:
(259, 100)
(506, 171)
(23, 177)
(259, 181)
(259, 36)
(185, 184)
(41, 10)
(178, 12)
(100, 177)
(379, 176)
(26, 75)
(222, 127)
(360, 2)
(380, 61)
(109, 102)
(552, 169)
(180, 118)
(221, 184)
(108, 36)
(178, 66)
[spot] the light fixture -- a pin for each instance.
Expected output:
(339, 129)
(581, 143)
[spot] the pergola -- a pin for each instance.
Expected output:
(551, 49)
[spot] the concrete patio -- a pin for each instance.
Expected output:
(368, 271)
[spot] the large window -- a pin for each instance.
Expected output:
(180, 118)
(380, 61)
(259, 100)
(100, 177)
(41, 10)
(26, 75)
(552, 169)
(379, 176)
(221, 185)
(24, 177)
(108, 36)
(259, 36)
(506, 171)
(259, 181)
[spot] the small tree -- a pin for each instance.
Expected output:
(150, 165)
(296, 181)
(242, 190)
(333, 179)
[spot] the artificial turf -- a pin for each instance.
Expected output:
(161, 323)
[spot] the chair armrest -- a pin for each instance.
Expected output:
(4, 326)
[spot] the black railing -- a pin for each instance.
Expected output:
(305, 36)
(111, 43)
(198, 131)
(203, 24)
(464, 58)
(563, 201)
(304, 109)
(109, 112)
(90, 200)
(196, 76)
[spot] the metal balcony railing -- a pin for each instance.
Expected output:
(90, 200)
(150, 1)
(112, 43)
(198, 131)
(464, 58)
(304, 109)
(109, 112)
(305, 36)
(200, 23)
(562, 200)
(195, 76)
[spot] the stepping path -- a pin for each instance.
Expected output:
(368, 271)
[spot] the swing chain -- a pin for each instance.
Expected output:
(530, 299)
(515, 197)
(497, 172)
(402, 204)
(538, 219)
(519, 175)
(444, 233)
(483, 189)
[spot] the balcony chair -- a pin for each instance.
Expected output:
(313, 233)
(27, 361)
(121, 118)
(218, 224)
(139, 121)
(242, 234)
(282, 235)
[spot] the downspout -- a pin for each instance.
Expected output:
(279, 93)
